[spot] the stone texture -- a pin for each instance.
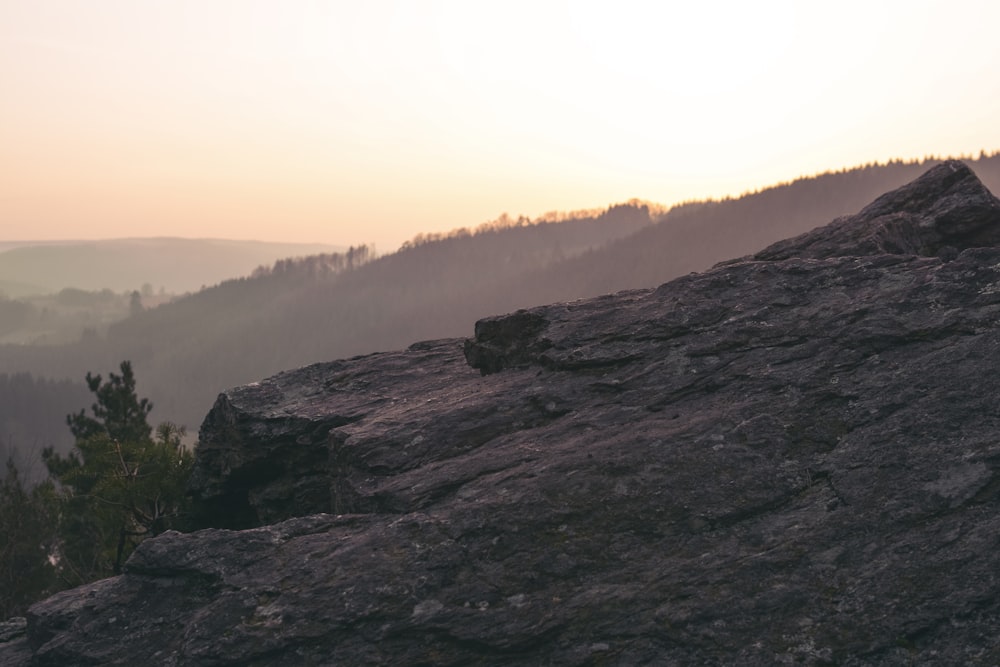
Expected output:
(792, 458)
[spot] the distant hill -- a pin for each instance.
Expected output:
(187, 351)
(174, 265)
(14, 289)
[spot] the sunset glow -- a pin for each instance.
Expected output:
(349, 122)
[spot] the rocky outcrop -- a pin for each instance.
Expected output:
(944, 210)
(789, 459)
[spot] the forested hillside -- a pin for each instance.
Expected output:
(694, 236)
(339, 305)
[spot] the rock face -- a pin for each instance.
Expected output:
(793, 458)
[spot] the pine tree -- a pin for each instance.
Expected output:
(120, 484)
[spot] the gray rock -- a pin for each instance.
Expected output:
(788, 459)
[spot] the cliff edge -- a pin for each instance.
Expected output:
(791, 458)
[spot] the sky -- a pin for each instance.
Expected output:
(351, 122)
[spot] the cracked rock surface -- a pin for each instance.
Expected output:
(792, 458)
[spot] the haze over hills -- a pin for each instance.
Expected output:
(692, 237)
(187, 351)
(309, 309)
(173, 265)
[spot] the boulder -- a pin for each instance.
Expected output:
(791, 458)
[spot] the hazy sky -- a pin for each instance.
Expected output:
(371, 120)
